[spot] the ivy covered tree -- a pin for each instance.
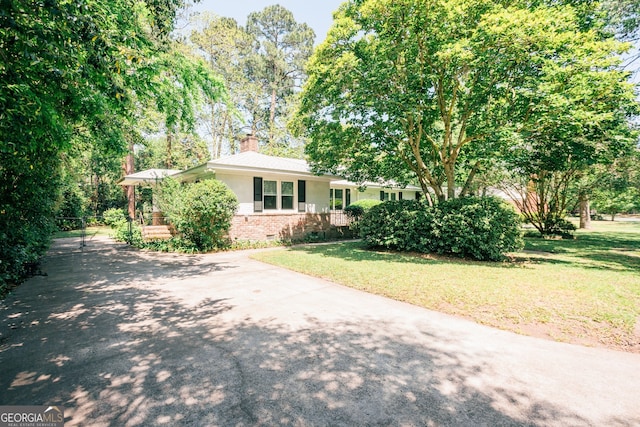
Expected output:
(68, 70)
(435, 90)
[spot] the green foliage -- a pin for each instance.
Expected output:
(75, 72)
(72, 208)
(353, 211)
(200, 212)
(357, 209)
(129, 232)
(437, 90)
(187, 151)
(282, 46)
(114, 217)
(559, 227)
(393, 225)
(263, 66)
(27, 218)
(480, 228)
(124, 230)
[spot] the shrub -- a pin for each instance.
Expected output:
(132, 236)
(391, 225)
(200, 212)
(560, 227)
(483, 228)
(114, 217)
(480, 228)
(71, 209)
(356, 210)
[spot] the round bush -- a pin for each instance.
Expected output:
(356, 210)
(479, 228)
(114, 217)
(483, 228)
(200, 212)
(391, 225)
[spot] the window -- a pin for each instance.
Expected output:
(286, 191)
(384, 196)
(257, 194)
(335, 198)
(400, 195)
(302, 196)
(271, 195)
(347, 197)
(393, 197)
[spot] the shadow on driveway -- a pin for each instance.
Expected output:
(121, 337)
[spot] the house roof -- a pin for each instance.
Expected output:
(149, 176)
(250, 162)
(252, 159)
(254, 162)
(371, 184)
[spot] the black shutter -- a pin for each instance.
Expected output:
(382, 196)
(257, 194)
(400, 195)
(302, 196)
(347, 196)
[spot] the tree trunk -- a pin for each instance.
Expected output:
(169, 141)
(272, 117)
(585, 211)
(129, 190)
(451, 182)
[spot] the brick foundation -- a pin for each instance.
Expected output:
(269, 226)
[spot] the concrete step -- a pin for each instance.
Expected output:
(156, 232)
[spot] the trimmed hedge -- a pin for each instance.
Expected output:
(480, 228)
(357, 209)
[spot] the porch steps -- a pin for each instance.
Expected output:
(156, 232)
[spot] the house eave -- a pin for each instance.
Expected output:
(245, 170)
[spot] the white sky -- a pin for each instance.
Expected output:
(317, 14)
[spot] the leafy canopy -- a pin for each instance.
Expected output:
(434, 90)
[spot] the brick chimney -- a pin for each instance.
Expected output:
(249, 143)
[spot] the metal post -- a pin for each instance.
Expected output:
(130, 221)
(83, 233)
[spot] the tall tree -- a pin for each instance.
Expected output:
(578, 117)
(431, 89)
(227, 46)
(282, 47)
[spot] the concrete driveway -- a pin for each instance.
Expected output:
(127, 338)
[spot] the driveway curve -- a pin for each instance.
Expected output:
(121, 337)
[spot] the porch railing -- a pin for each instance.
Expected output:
(339, 218)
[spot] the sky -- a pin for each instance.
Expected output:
(318, 14)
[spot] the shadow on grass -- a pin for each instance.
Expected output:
(120, 352)
(591, 250)
(358, 251)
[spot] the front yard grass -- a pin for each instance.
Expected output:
(584, 291)
(98, 230)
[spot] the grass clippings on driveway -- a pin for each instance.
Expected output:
(584, 291)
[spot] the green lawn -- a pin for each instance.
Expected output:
(90, 232)
(582, 291)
